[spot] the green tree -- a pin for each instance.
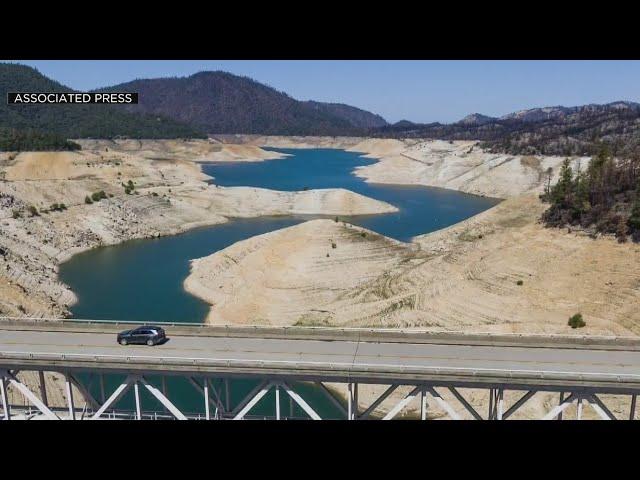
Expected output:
(561, 191)
(634, 218)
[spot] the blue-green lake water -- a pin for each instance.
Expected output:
(146, 276)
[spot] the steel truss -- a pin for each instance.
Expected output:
(215, 393)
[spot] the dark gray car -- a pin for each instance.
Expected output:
(146, 335)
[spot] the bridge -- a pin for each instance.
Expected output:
(435, 367)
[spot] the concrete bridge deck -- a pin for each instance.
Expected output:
(351, 355)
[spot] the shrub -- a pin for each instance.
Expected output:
(336, 220)
(333, 245)
(155, 194)
(519, 282)
(363, 234)
(16, 214)
(97, 196)
(33, 211)
(88, 200)
(57, 207)
(129, 187)
(576, 321)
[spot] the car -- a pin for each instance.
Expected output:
(145, 335)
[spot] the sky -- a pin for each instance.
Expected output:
(420, 90)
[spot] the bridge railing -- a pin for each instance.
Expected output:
(387, 335)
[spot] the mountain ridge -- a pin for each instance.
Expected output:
(224, 103)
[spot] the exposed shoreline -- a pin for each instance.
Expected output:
(461, 165)
(171, 196)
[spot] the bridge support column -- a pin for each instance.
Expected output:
(561, 402)
(423, 405)
(136, 393)
(579, 414)
(102, 395)
(352, 404)
(69, 391)
(43, 388)
(205, 386)
(277, 388)
(205, 389)
(6, 408)
(500, 404)
(632, 412)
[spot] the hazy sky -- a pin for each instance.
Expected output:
(420, 91)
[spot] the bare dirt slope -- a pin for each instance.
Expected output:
(292, 276)
(170, 195)
(458, 165)
(461, 278)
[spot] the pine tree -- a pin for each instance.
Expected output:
(560, 193)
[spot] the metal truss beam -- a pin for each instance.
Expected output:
(402, 403)
(601, 409)
(378, 401)
(300, 401)
(257, 389)
(465, 403)
(518, 404)
(265, 387)
(205, 389)
(28, 394)
(442, 402)
(561, 407)
(327, 393)
(115, 396)
(162, 399)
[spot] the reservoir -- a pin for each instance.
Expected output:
(141, 280)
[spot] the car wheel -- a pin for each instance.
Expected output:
(150, 342)
(123, 342)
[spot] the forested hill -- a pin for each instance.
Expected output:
(60, 122)
(220, 102)
(550, 131)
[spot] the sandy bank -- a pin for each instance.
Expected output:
(190, 150)
(251, 202)
(458, 165)
(461, 278)
(292, 276)
(171, 195)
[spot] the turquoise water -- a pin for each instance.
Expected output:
(146, 276)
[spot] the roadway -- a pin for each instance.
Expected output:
(338, 360)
